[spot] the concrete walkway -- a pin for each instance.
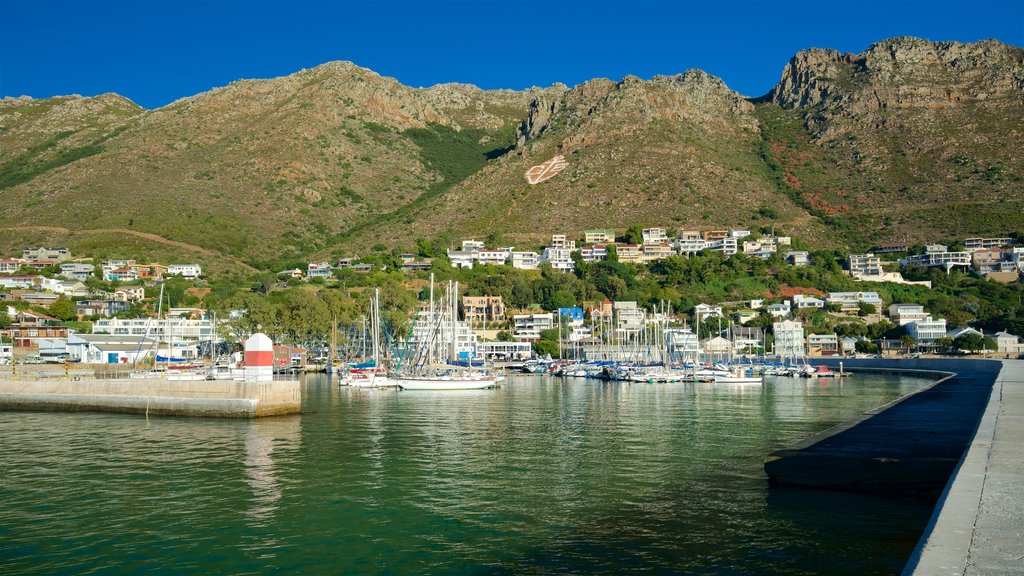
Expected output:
(978, 525)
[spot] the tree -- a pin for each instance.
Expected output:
(866, 347)
(5, 319)
(62, 309)
(634, 234)
(969, 342)
(504, 336)
(864, 308)
(944, 343)
(907, 341)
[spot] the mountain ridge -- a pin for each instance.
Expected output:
(846, 150)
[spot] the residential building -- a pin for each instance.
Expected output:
(27, 327)
(440, 335)
(759, 249)
(746, 340)
(682, 344)
(801, 301)
(654, 236)
(780, 309)
(177, 328)
(461, 258)
(571, 316)
(727, 246)
(39, 298)
(477, 310)
(77, 270)
(850, 301)
(629, 319)
(152, 271)
(713, 235)
(190, 271)
(318, 270)
(937, 255)
(525, 260)
(1007, 343)
(493, 257)
(413, 265)
(988, 260)
(861, 265)
(130, 293)
(101, 307)
(744, 316)
(756, 304)
(122, 275)
(472, 245)
(560, 241)
(6, 353)
(66, 287)
(822, 345)
(598, 236)
(629, 253)
(560, 258)
(504, 351)
(595, 253)
(903, 314)
(927, 330)
(602, 312)
(23, 282)
(789, 339)
(739, 233)
(652, 252)
(10, 266)
(36, 254)
(716, 348)
(973, 244)
(529, 326)
(798, 258)
(702, 312)
(1016, 255)
(689, 243)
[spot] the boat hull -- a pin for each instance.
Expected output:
(444, 383)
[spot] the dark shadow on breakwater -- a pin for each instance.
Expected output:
(910, 447)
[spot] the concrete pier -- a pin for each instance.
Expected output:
(153, 396)
(978, 411)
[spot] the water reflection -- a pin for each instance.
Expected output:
(263, 438)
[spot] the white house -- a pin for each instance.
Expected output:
(654, 236)
(1008, 343)
(529, 326)
(560, 258)
(19, 282)
(861, 265)
(927, 329)
(789, 339)
(850, 301)
(904, 314)
(525, 260)
(492, 257)
(702, 312)
(779, 309)
(798, 258)
(318, 270)
(461, 258)
(472, 245)
(727, 246)
(190, 271)
(77, 270)
(801, 301)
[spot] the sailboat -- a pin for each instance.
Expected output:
(375, 375)
(445, 377)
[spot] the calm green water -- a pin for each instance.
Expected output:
(540, 476)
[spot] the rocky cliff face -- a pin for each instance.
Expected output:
(898, 74)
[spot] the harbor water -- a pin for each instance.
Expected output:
(540, 476)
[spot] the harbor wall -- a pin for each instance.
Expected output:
(976, 526)
(210, 398)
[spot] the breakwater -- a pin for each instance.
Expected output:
(977, 410)
(151, 396)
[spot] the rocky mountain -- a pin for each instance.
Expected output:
(910, 139)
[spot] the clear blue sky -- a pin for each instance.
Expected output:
(157, 51)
